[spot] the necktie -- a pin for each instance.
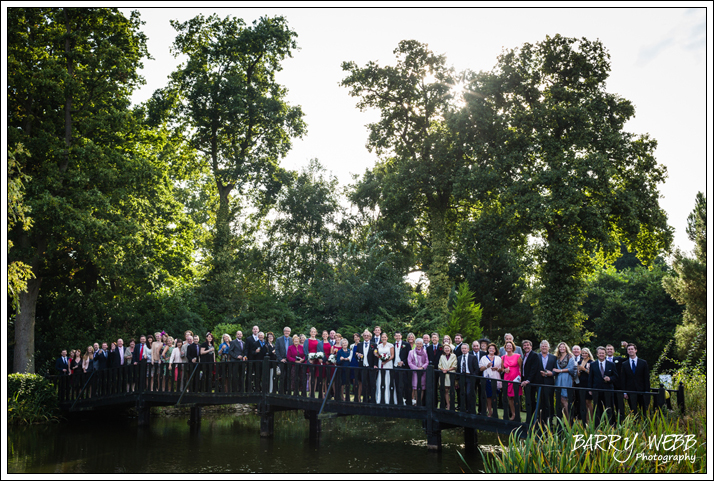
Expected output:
(121, 356)
(633, 366)
(141, 352)
(602, 369)
(463, 364)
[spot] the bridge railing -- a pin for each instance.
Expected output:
(467, 393)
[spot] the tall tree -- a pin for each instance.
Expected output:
(237, 118)
(103, 216)
(689, 285)
(549, 141)
(18, 273)
(413, 182)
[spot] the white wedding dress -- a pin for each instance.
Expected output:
(384, 371)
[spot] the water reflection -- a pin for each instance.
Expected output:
(229, 443)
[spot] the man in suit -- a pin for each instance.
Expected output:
(403, 380)
(377, 336)
(509, 337)
(237, 353)
(138, 360)
(458, 340)
(116, 357)
(253, 345)
(529, 373)
(367, 360)
(618, 362)
(62, 363)
(467, 365)
(281, 347)
(434, 352)
(478, 350)
(635, 377)
(603, 375)
(116, 360)
(192, 357)
(546, 377)
(62, 368)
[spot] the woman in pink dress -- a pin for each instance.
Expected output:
(313, 346)
(511, 370)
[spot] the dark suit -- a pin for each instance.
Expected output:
(619, 398)
(597, 381)
(252, 345)
(638, 381)
(237, 350)
(530, 372)
(546, 398)
(62, 365)
(101, 357)
(281, 352)
(366, 377)
(465, 399)
(114, 359)
(192, 357)
(401, 378)
(434, 353)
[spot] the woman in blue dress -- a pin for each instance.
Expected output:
(342, 359)
(565, 369)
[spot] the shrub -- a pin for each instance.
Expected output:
(31, 399)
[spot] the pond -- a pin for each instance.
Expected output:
(231, 443)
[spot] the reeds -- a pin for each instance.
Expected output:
(565, 448)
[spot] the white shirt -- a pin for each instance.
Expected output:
(365, 350)
(465, 364)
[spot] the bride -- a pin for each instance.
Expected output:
(385, 350)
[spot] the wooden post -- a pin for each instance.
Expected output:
(433, 430)
(470, 440)
(195, 418)
(144, 412)
(267, 424)
(315, 425)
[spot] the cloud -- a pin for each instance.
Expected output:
(649, 52)
(689, 33)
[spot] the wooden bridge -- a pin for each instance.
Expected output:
(275, 386)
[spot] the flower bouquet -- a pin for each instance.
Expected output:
(384, 357)
(332, 359)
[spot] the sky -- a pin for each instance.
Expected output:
(658, 62)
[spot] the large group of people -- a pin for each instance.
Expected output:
(400, 363)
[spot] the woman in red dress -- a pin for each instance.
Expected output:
(313, 346)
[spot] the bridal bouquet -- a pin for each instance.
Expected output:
(332, 359)
(384, 357)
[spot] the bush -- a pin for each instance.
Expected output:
(31, 399)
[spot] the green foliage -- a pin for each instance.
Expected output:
(554, 450)
(552, 151)
(240, 124)
(494, 260)
(18, 273)
(466, 316)
(689, 284)
(412, 185)
(31, 399)
(625, 305)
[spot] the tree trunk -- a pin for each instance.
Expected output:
(24, 360)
